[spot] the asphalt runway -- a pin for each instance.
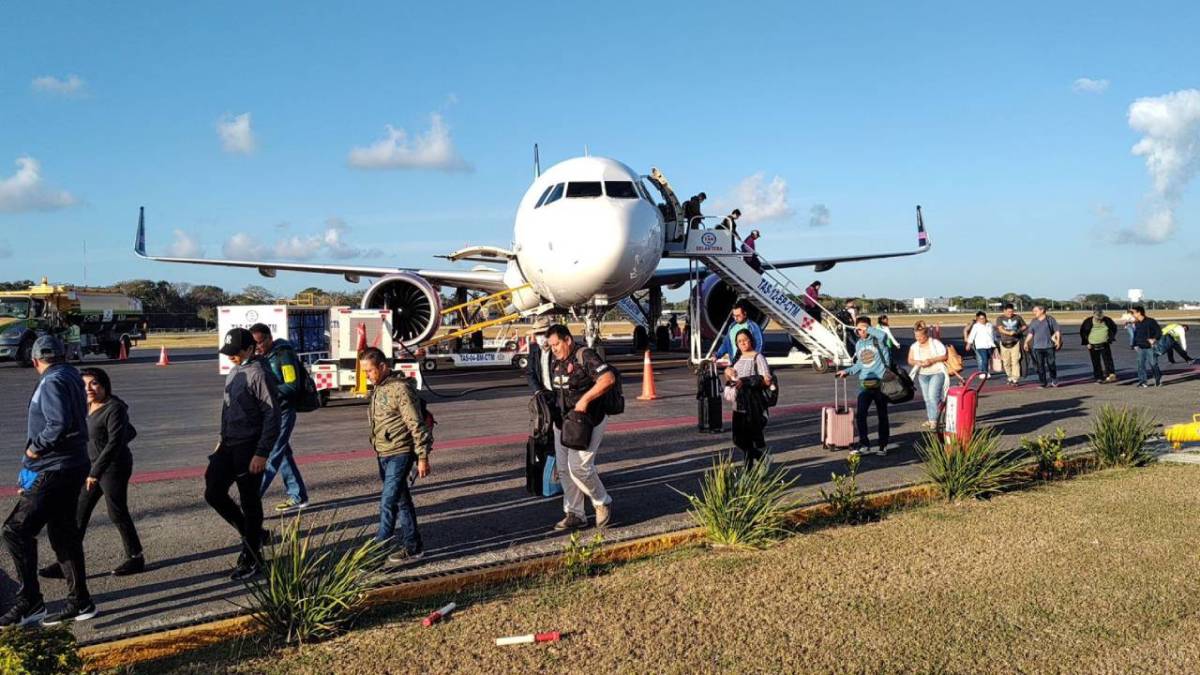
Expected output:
(473, 509)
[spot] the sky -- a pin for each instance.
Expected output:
(1053, 147)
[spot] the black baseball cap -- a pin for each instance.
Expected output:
(237, 340)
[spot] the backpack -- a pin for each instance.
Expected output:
(309, 398)
(896, 384)
(612, 402)
(541, 415)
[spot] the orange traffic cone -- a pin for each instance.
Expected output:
(162, 357)
(123, 354)
(648, 392)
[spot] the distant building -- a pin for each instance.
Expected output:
(929, 305)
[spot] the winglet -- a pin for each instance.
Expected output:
(139, 243)
(537, 162)
(923, 242)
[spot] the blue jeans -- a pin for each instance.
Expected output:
(281, 461)
(983, 356)
(1147, 364)
(396, 510)
(933, 387)
(1047, 365)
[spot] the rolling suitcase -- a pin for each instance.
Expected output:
(708, 400)
(539, 467)
(837, 421)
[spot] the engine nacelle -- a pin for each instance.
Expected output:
(415, 304)
(716, 301)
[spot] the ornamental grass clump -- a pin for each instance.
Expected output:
(740, 507)
(314, 583)
(1119, 436)
(969, 469)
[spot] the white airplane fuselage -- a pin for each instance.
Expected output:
(587, 230)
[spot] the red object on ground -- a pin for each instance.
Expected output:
(438, 615)
(123, 355)
(163, 360)
(961, 403)
(551, 636)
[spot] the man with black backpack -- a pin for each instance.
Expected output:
(587, 390)
(290, 375)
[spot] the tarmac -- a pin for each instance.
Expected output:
(473, 510)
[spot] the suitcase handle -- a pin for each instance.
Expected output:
(846, 392)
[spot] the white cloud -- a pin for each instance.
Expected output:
(72, 85)
(433, 149)
(758, 199)
(1086, 85)
(184, 246)
(25, 190)
(330, 242)
(819, 216)
(5, 249)
(236, 135)
(1170, 144)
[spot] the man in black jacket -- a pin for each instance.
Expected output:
(249, 429)
(1097, 334)
(1146, 333)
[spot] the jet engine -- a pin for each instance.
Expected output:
(716, 300)
(415, 304)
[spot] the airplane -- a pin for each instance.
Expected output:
(587, 233)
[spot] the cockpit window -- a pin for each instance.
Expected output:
(620, 189)
(584, 189)
(555, 195)
(543, 197)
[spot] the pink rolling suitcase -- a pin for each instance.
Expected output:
(837, 422)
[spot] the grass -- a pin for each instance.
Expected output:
(1090, 575)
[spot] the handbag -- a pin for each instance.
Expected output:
(770, 394)
(897, 386)
(954, 362)
(997, 363)
(576, 431)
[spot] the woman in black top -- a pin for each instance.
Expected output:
(109, 434)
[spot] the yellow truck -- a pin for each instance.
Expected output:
(89, 321)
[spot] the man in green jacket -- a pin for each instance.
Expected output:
(281, 360)
(400, 438)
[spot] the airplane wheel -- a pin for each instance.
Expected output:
(429, 365)
(641, 339)
(820, 365)
(522, 362)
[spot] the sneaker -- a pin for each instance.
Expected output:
(51, 571)
(603, 515)
(132, 565)
(24, 613)
(71, 612)
(1143, 386)
(1112, 377)
(859, 451)
(404, 557)
(570, 522)
(1054, 383)
(247, 566)
(882, 452)
(290, 505)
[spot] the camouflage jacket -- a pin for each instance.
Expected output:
(397, 426)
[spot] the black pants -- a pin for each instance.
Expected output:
(748, 437)
(226, 467)
(865, 398)
(1047, 365)
(114, 487)
(50, 502)
(1102, 362)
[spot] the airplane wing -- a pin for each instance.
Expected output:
(668, 277)
(491, 281)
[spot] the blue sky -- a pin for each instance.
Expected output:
(1027, 178)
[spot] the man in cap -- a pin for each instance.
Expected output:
(249, 428)
(538, 370)
(1097, 334)
(53, 470)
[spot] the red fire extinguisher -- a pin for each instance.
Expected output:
(959, 409)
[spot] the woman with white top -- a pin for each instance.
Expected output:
(746, 382)
(980, 337)
(927, 356)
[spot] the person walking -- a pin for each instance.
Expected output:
(1043, 340)
(401, 439)
(1011, 328)
(691, 210)
(927, 356)
(1174, 341)
(812, 300)
(109, 434)
(284, 365)
(746, 382)
(580, 379)
(249, 429)
(1097, 333)
(980, 338)
(1146, 335)
(741, 321)
(54, 468)
(870, 363)
(538, 371)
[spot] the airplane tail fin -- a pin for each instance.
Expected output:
(922, 235)
(139, 243)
